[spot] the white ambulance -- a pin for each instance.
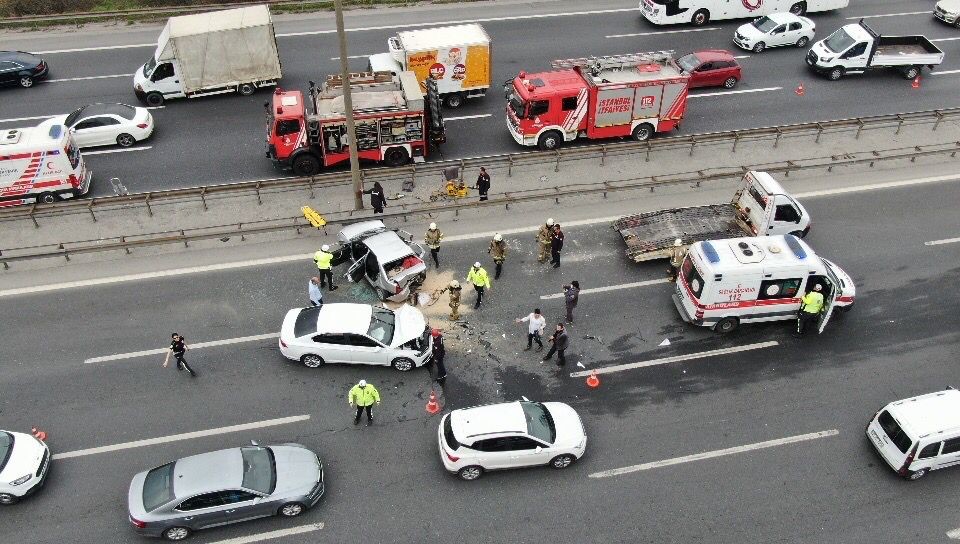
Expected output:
(40, 164)
(723, 283)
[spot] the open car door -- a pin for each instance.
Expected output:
(829, 303)
(340, 255)
(356, 270)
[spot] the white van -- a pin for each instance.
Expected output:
(723, 283)
(919, 434)
(40, 164)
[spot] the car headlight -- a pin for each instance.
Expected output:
(139, 87)
(22, 480)
(826, 59)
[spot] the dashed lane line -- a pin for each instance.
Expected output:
(83, 78)
(942, 242)
(742, 91)
(657, 33)
(716, 453)
(464, 117)
(944, 72)
(197, 345)
(878, 186)
(280, 533)
(954, 534)
(928, 12)
(675, 359)
(609, 288)
(182, 436)
(34, 118)
(119, 150)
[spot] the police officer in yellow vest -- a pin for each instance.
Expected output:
(324, 260)
(810, 306)
(363, 396)
(480, 280)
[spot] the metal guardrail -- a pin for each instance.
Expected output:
(508, 162)
(185, 236)
(166, 10)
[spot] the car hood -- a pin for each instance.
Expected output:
(570, 431)
(298, 469)
(749, 31)
(25, 458)
(952, 6)
(821, 50)
(409, 323)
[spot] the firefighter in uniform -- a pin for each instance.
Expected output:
(323, 258)
(454, 290)
(810, 306)
(677, 253)
(544, 238)
(432, 238)
(498, 250)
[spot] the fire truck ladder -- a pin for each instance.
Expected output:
(616, 62)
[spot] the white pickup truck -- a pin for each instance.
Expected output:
(856, 48)
(761, 207)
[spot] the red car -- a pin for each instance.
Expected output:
(711, 68)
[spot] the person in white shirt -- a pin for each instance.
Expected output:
(313, 290)
(535, 325)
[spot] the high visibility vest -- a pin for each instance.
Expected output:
(323, 259)
(811, 303)
(364, 396)
(479, 277)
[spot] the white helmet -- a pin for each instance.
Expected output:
(678, 242)
(550, 222)
(455, 284)
(324, 247)
(433, 226)
(498, 237)
(817, 287)
(476, 264)
(363, 383)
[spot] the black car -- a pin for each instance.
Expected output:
(19, 68)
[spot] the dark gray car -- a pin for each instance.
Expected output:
(223, 487)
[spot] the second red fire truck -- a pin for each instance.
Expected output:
(394, 120)
(632, 95)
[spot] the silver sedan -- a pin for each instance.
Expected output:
(223, 487)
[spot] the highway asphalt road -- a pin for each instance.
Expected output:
(222, 138)
(386, 483)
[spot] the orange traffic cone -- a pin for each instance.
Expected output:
(593, 380)
(432, 406)
(38, 434)
(799, 90)
(916, 83)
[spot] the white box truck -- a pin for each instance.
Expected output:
(856, 48)
(457, 57)
(233, 50)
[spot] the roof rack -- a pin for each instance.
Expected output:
(595, 64)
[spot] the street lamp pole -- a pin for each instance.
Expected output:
(348, 106)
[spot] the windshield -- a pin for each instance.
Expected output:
(517, 105)
(73, 154)
(72, 118)
(833, 275)
(382, 325)
(893, 430)
(764, 24)
(6, 448)
(539, 421)
(691, 277)
(149, 66)
(259, 469)
(838, 42)
(688, 62)
(158, 487)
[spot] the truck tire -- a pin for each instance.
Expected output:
(550, 140)
(453, 100)
(799, 8)
(47, 198)
(836, 73)
(154, 100)
(246, 89)
(306, 164)
(643, 132)
(396, 156)
(700, 18)
(726, 325)
(911, 72)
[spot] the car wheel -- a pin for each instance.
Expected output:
(730, 83)
(759, 47)
(726, 325)
(799, 8)
(402, 364)
(917, 474)
(306, 165)
(176, 533)
(26, 82)
(453, 101)
(470, 473)
(700, 18)
(126, 140)
(47, 198)
(154, 100)
(7, 499)
(246, 89)
(312, 360)
(803, 41)
(643, 132)
(957, 22)
(550, 140)
(291, 510)
(562, 461)
(911, 72)
(396, 156)
(835, 74)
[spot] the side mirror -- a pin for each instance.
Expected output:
(539, 449)
(254, 443)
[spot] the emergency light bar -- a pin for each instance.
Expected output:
(710, 252)
(795, 246)
(56, 131)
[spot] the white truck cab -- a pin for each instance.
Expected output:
(723, 283)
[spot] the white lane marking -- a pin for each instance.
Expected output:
(942, 242)
(675, 358)
(657, 33)
(878, 186)
(928, 12)
(742, 57)
(84, 78)
(716, 453)
(743, 91)
(121, 150)
(944, 72)
(954, 534)
(945, 39)
(15, 119)
(352, 57)
(609, 288)
(197, 345)
(279, 533)
(182, 436)
(100, 48)
(462, 117)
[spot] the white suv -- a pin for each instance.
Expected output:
(919, 434)
(358, 334)
(510, 435)
(24, 464)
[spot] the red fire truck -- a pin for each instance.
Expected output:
(597, 97)
(394, 121)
